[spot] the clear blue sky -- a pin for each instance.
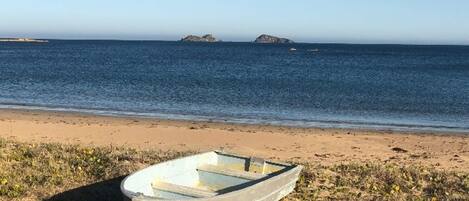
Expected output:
(352, 21)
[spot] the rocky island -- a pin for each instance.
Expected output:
(206, 38)
(264, 38)
(23, 40)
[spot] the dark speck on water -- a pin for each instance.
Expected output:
(389, 87)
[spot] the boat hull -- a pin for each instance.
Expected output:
(270, 188)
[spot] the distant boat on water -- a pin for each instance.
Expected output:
(293, 49)
(313, 50)
(212, 176)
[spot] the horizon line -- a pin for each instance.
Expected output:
(223, 41)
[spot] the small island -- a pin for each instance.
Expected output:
(23, 40)
(264, 38)
(206, 38)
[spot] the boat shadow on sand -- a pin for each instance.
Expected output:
(108, 190)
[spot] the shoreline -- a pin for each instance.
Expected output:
(319, 124)
(23, 40)
(317, 145)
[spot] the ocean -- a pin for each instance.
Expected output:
(385, 87)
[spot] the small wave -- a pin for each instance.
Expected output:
(250, 121)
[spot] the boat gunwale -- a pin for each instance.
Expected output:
(289, 169)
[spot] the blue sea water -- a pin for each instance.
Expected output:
(400, 87)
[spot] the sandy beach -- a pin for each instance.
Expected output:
(324, 146)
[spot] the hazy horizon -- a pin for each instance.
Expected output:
(309, 21)
(236, 41)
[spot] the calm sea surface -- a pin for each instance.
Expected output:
(319, 85)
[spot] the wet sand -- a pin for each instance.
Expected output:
(443, 150)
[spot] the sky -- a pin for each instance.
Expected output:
(317, 21)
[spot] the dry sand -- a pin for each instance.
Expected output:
(325, 146)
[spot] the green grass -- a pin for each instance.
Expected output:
(39, 171)
(379, 181)
(71, 172)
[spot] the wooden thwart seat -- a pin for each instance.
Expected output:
(229, 172)
(202, 193)
(184, 190)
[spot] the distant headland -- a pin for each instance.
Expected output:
(206, 38)
(23, 40)
(264, 38)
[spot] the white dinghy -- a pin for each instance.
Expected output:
(212, 176)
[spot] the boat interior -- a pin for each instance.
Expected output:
(201, 176)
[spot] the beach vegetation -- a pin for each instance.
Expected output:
(51, 171)
(379, 181)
